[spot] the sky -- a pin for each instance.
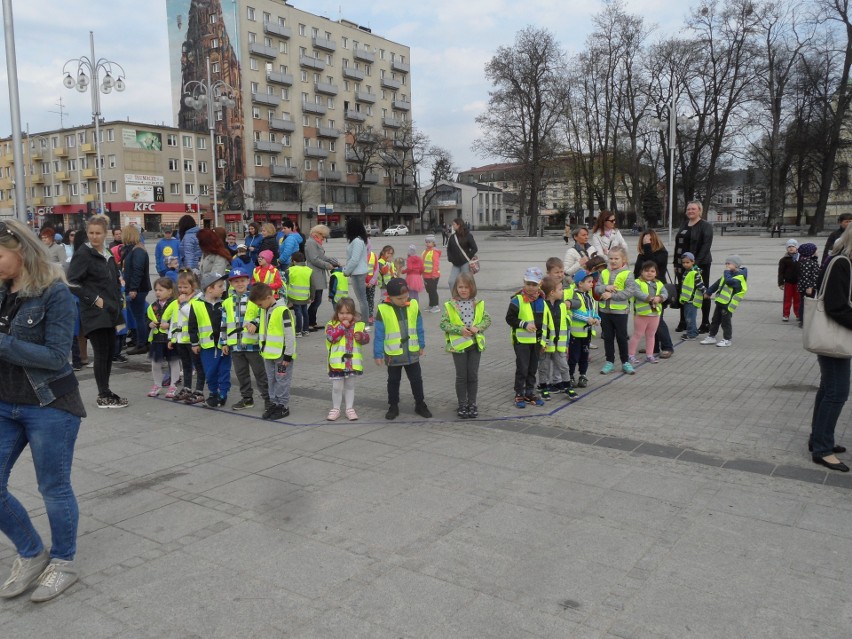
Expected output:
(450, 42)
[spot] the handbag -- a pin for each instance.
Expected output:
(473, 262)
(821, 334)
(673, 300)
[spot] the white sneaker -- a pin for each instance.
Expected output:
(57, 577)
(723, 342)
(710, 339)
(435, 309)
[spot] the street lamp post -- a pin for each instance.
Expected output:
(672, 123)
(15, 112)
(211, 96)
(113, 79)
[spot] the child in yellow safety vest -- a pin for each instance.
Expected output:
(730, 291)
(584, 319)
(207, 337)
(647, 310)
(464, 322)
(299, 292)
(372, 281)
(525, 317)
(553, 376)
(345, 335)
(432, 272)
(399, 343)
(159, 315)
(188, 290)
(616, 287)
(387, 271)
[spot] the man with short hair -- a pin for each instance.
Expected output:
(843, 219)
(116, 239)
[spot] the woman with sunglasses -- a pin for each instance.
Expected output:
(40, 407)
(604, 235)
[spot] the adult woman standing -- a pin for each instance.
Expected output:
(695, 236)
(55, 251)
(651, 249)
(137, 284)
(215, 257)
(604, 235)
(356, 267)
(461, 249)
(269, 242)
(320, 264)
(190, 252)
(579, 252)
(253, 240)
(40, 406)
(834, 371)
(93, 277)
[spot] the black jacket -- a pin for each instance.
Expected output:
(788, 271)
(269, 244)
(136, 270)
(468, 246)
(829, 244)
(659, 257)
(700, 243)
(91, 275)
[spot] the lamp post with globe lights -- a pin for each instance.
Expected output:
(113, 79)
(210, 96)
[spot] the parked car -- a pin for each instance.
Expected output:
(373, 230)
(398, 229)
(338, 231)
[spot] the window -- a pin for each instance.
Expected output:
(304, 76)
(252, 37)
(255, 112)
(111, 160)
(214, 42)
(256, 135)
(329, 60)
(70, 141)
(174, 188)
(174, 164)
(215, 67)
(250, 13)
(187, 166)
(305, 97)
(307, 143)
(345, 42)
(258, 159)
(267, 42)
(254, 87)
(305, 121)
(282, 46)
(82, 137)
(189, 188)
(267, 17)
(48, 192)
(204, 189)
(314, 32)
(171, 140)
(202, 166)
(331, 103)
(285, 93)
(382, 54)
(201, 143)
(302, 30)
(307, 166)
(187, 141)
(253, 64)
(303, 52)
(282, 21)
(285, 139)
(331, 147)
(74, 189)
(346, 85)
(367, 69)
(220, 139)
(113, 186)
(110, 135)
(213, 18)
(72, 165)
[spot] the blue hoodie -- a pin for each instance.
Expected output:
(190, 251)
(166, 248)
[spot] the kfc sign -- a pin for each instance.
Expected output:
(153, 207)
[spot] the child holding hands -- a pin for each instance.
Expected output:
(344, 338)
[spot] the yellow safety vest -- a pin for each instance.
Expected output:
(580, 328)
(300, 283)
(273, 339)
(568, 292)
(725, 294)
(239, 337)
(371, 262)
(641, 307)
(620, 283)
(205, 325)
(337, 353)
(687, 290)
(561, 343)
(385, 278)
(525, 314)
(459, 343)
(180, 321)
(342, 289)
(393, 332)
(431, 266)
(166, 315)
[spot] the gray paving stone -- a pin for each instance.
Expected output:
(253, 492)
(750, 466)
(700, 458)
(800, 474)
(619, 443)
(658, 450)
(172, 521)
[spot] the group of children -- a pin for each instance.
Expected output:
(798, 271)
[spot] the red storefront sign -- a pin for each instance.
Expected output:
(65, 209)
(152, 207)
(233, 217)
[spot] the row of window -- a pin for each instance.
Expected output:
(73, 139)
(73, 189)
(188, 165)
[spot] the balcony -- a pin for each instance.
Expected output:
(37, 201)
(36, 155)
(263, 146)
(268, 99)
(311, 63)
(364, 55)
(401, 105)
(327, 132)
(89, 197)
(353, 156)
(89, 174)
(37, 178)
(277, 30)
(370, 178)
(284, 171)
(403, 180)
(88, 148)
(262, 50)
(315, 152)
(326, 88)
(390, 83)
(402, 67)
(352, 73)
(391, 122)
(312, 107)
(363, 96)
(355, 116)
(277, 124)
(5, 183)
(402, 144)
(280, 78)
(61, 199)
(62, 176)
(326, 44)
(60, 152)
(330, 176)
(367, 138)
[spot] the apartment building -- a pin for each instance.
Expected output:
(150, 175)
(305, 89)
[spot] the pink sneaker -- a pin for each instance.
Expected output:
(155, 390)
(171, 392)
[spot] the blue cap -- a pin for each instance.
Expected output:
(533, 274)
(580, 275)
(237, 272)
(57, 237)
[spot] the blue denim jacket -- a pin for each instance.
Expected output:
(39, 339)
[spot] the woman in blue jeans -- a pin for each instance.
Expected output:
(834, 371)
(40, 407)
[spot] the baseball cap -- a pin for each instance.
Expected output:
(209, 279)
(396, 286)
(237, 272)
(533, 274)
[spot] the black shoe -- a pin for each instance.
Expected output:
(137, 350)
(212, 401)
(836, 449)
(582, 381)
(472, 411)
(704, 328)
(393, 411)
(245, 402)
(545, 392)
(681, 327)
(76, 367)
(277, 412)
(119, 359)
(423, 410)
(843, 468)
(268, 411)
(462, 411)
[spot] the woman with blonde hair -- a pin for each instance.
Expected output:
(93, 277)
(40, 407)
(137, 285)
(320, 265)
(269, 241)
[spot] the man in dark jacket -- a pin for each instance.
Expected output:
(843, 219)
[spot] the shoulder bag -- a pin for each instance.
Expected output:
(472, 262)
(821, 334)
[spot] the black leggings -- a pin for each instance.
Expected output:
(188, 361)
(103, 347)
(614, 326)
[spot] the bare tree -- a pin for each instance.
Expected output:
(402, 158)
(439, 162)
(364, 154)
(529, 97)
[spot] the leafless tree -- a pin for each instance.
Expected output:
(439, 164)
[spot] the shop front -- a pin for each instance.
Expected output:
(66, 217)
(153, 216)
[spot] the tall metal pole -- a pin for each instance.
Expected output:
(96, 115)
(672, 136)
(211, 122)
(15, 113)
